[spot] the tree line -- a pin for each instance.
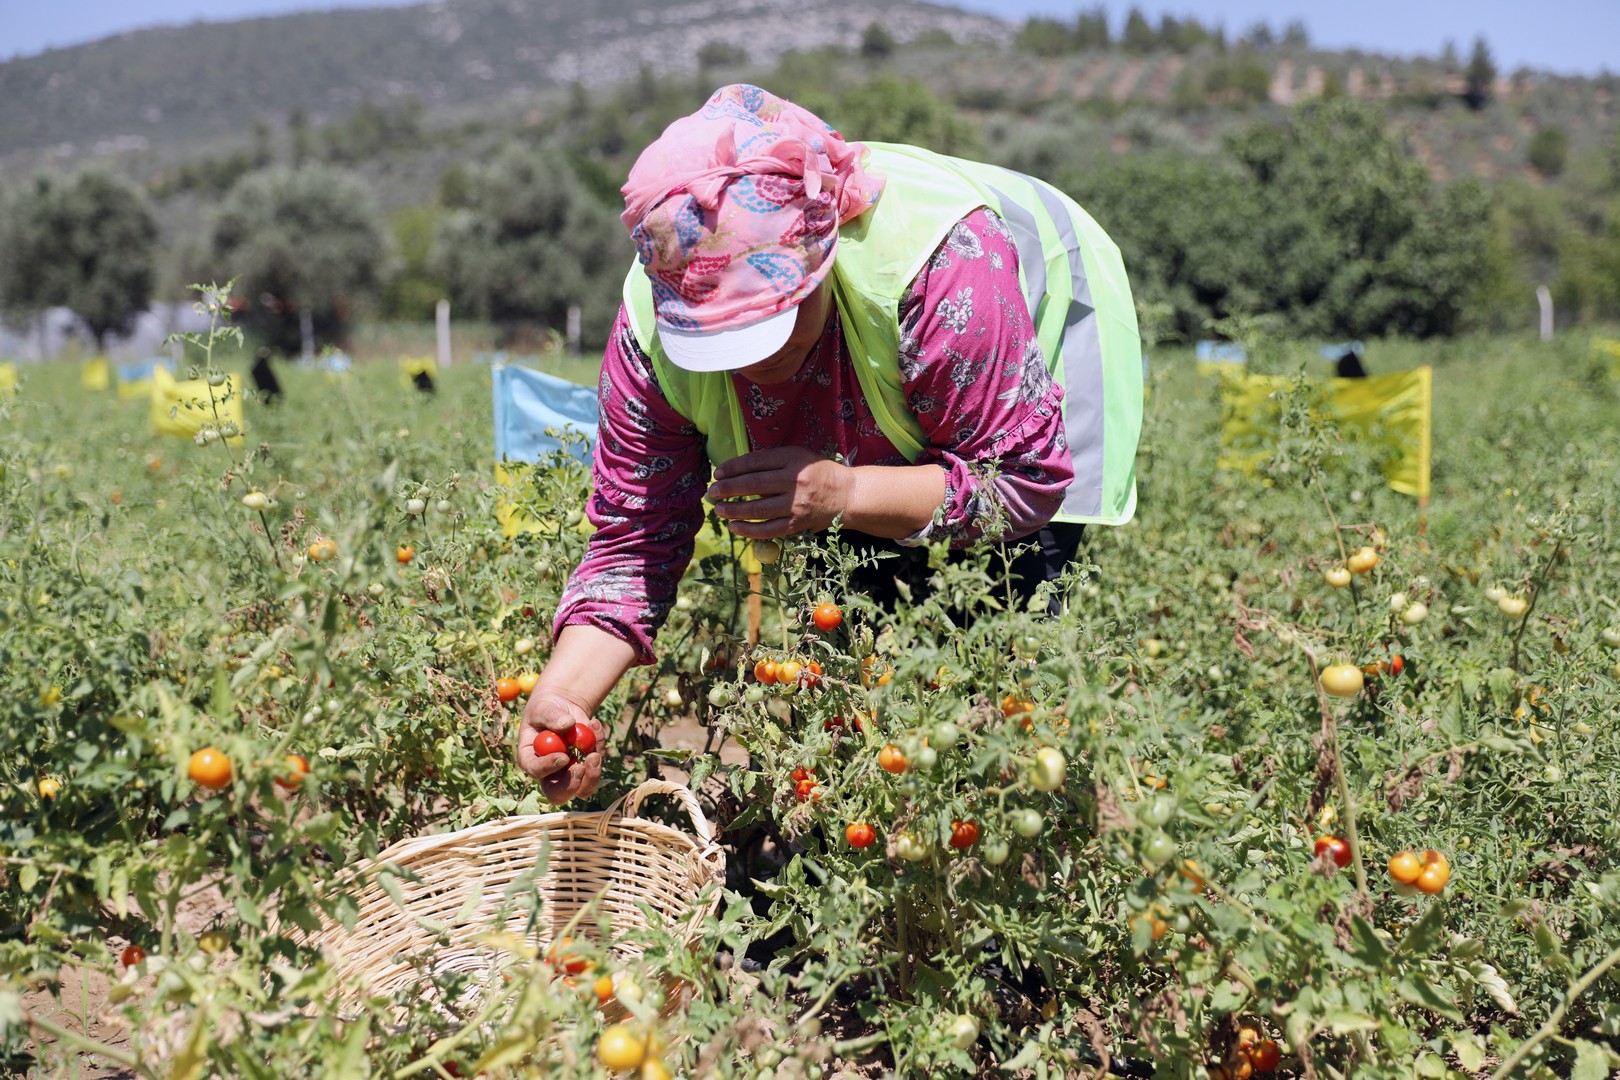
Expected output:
(1320, 219)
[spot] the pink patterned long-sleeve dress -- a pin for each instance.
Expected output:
(973, 375)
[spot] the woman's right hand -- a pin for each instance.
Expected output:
(561, 777)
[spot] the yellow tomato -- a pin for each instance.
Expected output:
(621, 1048)
(1363, 561)
(1342, 680)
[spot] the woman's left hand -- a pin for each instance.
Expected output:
(798, 491)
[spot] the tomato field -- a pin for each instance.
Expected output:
(1297, 784)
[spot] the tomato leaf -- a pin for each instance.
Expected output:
(350, 1059)
(1369, 948)
(1591, 1061)
(1419, 991)
(1469, 1050)
(1346, 1021)
(1427, 933)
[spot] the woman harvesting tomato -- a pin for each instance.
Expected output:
(837, 331)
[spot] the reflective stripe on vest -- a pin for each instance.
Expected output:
(1073, 281)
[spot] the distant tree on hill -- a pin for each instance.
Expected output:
(85, 243)
(529, 241)
(1091, 29)
(1138, 36)
(718, 54)
(1549, 151)
(1259, 36)
(876, 41)
(1295, 35)
(298, 240)
(889, 109)
(1479, 77)
(1326, 222)
(1043, 37)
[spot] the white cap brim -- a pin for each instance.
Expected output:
(727, 350)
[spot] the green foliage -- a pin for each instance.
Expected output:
(1138, 35)
(876, 41)
(1549, 151)
(1324, 222)
(145, 611)
(413, 291)
(307, 239)
(890, 109)
(529, 242)
(85, 243)
(1479, 77)
(720, 54)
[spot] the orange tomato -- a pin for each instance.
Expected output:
(875, 672)
(604, 989)
(964, 834)
(210, 768)
(827, 616)
(892, 759)
(812, 674)
(1405, 867)
(297, 769)
(507, 689)
(765, 671)
(404, 553)
(787, 672)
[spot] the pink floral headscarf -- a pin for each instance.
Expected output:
(735, 209)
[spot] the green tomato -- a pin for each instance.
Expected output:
(1159, 849)
(944, 736)
(1158, 811)
(1027, 646)
(963, 1031)
(1050, 768)
(721, 696)
(995, 852)
(910, 848)
(754, 695)
(1611, 636)
(1026, 823)
(925, 758)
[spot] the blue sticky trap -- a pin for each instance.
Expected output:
(527, 402)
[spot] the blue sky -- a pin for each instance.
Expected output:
(1570, 36)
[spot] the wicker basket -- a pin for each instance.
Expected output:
(610, 861)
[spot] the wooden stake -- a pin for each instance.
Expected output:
(756, 607)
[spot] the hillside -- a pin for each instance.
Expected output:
(209, 79)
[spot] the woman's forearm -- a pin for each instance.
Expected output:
(893, 501)
(586, 664)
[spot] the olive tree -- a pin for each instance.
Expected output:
(299, 240)
(84, 242)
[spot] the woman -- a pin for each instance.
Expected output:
(836, 329)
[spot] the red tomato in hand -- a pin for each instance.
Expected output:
(549, 742)
(582, 739)
(1336, 849)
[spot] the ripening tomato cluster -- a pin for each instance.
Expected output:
(1427, 872)
(510, 689)
(576, 742)
(1252, 1052)
(804, 785)
(788, 673)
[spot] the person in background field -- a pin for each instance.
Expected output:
(836, 330)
